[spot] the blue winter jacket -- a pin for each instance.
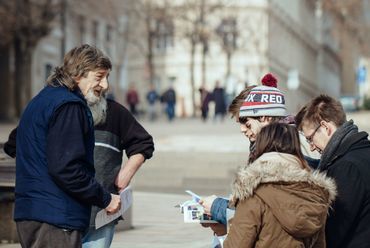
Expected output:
(55, 193)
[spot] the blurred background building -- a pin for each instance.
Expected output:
(312, 46)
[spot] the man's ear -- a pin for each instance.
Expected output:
(330, 128)
(77, 79)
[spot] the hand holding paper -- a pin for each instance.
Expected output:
(193, 211)
(102, 218)
(114, 205)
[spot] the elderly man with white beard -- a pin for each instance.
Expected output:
(116, 130)
(55, 185)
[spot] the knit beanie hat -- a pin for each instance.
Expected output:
(265, 100)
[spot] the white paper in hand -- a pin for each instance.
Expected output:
(102, 218)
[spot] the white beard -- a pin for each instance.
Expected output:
(98, 107)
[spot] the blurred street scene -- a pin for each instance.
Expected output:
(311, 46)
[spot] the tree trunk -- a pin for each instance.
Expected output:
(150, 39)
(150, 59)
(7, 92)
(204, 65)
(22, 78)
(228, 65)
(63, 21)
(151, 68)
(192, 81)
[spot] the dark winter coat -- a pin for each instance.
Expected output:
(54, 166)
(346, 159)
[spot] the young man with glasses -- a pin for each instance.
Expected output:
(345, 155)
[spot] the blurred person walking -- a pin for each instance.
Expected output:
(132, 99)
(205, 98)
(152, 97)
(169, 98)
(279, 201)
(218, 97)
(55, 185)
(345, 155)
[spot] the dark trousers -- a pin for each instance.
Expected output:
(34, 234)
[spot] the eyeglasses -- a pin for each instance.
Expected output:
(310, 137)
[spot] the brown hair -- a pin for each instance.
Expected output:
(237, 102)
(271, 119)
(77, 63)
(279, 137)
(321, 108)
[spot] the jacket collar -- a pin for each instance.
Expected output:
(352, 141)
(276, 167)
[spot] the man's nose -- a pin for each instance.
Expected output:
(104, 83)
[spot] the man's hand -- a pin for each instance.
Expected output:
(114, 205)
(218, 228)
(207, 203)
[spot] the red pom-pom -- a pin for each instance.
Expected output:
(269, 80)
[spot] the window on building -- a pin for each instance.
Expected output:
(108, 35)
(164, 34)
(95, 32)
(228, 31)
(81, 29)
(48, 70)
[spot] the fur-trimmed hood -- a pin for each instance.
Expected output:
(299, 199)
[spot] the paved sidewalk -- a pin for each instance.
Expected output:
(158, 224)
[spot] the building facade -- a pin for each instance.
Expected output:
(84, 23)
(278, 36)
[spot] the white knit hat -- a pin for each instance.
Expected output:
(265, 100)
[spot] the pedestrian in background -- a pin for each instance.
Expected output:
(55, 185)
(205, 98)
(279, 201)
(169, 99)
(152, 97)
(132, 99)
(345, 156)
(218, 97)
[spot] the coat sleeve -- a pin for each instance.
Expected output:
(66, 156)
(246, 224)
(136, 140)
(10, 145)
(218, 210)
(347, 206)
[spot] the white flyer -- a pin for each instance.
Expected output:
(193, 211)
(102, 218)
